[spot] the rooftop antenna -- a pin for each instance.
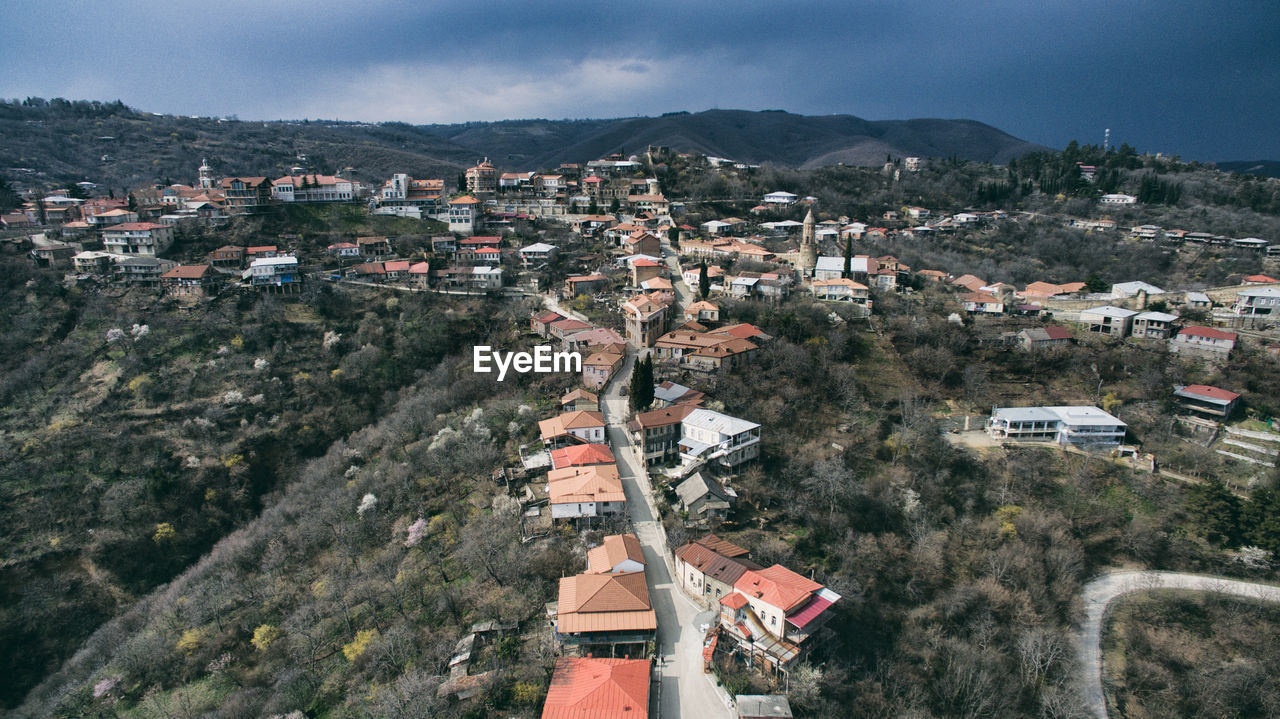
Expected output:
(1106, 140)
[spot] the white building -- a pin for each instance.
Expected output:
(313, 188)
(780, 198)
(710, 436)
(1117, 199)
(463, 213)
(1108, 320)
(1257, 303)
(1080, 425)
(147, 239)
(273, 272)
(537, 252)
(1131, 289)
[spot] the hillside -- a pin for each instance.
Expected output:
(52, 143)
(1266, 168)
(777, 137)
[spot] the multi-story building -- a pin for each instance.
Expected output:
(713, 437)
(1108, 320)
(1078, 425)
(658, 432)
(314, 188)
(1153, 325)
(147, 239)
(190, 280)
(281, 272)
(464, 212)
(646, 319)
(1257, 303)
(246, 195)
(773, 613)
(482, 179)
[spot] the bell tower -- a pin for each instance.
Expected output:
(206, 175)
(808, 245)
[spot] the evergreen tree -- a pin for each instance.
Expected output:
(462, 182)
(615, 206)
(641, 389)
(594, 207)
(8, 198)
(133, 203)
(673, 236)
(704, 282)
(1095, 283)
(1215, 511)
(848, 258)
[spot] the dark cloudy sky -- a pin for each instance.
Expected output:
(1199, 79)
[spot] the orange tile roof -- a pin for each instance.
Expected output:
(604, 603)
(591, 688)
(597, 483)
(465, 200)
(581, 455)
(615, 549)
(663, 417)
(578, 394)
(777, 586)
(187, 272)
(969, 282)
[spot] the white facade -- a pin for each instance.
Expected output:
(1080, 425)
(146, 239)
(1117, 199)
(780, 198)
(712, 436)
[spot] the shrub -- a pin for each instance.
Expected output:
(363, 639)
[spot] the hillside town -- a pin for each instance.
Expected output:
(637, 457)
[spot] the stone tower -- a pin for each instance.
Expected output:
(206, 176)
(808, 246)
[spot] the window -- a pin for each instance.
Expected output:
(773, 620)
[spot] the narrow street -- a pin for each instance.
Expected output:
(686, 690)
(684, 295)
(1098, 595)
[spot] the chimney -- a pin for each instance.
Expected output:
(1142, 299)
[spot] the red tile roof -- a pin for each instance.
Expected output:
(1211, 392)
(1261, 279)
(1057, 332)
(582, 454)
(777, 586)
(1208, 332)
(134, 227)
(187, 272)
(591, 688)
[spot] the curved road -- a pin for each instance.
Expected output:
(1099, 594)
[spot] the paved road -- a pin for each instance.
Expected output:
(684, 295)
(686, 691)
(1099, 594)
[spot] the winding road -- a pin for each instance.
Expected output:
(1099, 593)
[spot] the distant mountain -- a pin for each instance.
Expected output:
(1267, 168)
(58, 142)
(777, 137)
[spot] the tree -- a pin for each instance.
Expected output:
(594, 207)
(133, 203)
(462, 182)
(1215, 511)
(614, 206)
(641, 389)
(8, 198)
(848, 258)
(673, 236)
(1095, 283)
(704, 282)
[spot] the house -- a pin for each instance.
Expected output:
(605, 614)
(1206, 402)
(1078, 425)
(707, 568)
(692, 275)
(537, 252)
(580, 399)
(969, 282)
(344, 249)
(598, 688)
(564, 328)
(841, 290)
(54, 254)
(1259, 280)
(313, 188)
(96, 216)
(772, 613)
(780, 198)
(443, 243)
(645, 269)
(933, 275)
(982, 303)
(1133, 289)
(377, 246)
(281, 272)
(917, 213)
(482, 179)
(642, 243)
(246, 195)
(600, 367)
(645, 319)
(1147, 232)
(657, 432)
(704, 351)
(140, 269)
(584, 285)
(464, 214)
(91, 262)
(570, 428)
(541, 324)
(1045, 290)
(832, 268)
(704, 499)
(227, 256)
(16, 220)
(585, 492)
(1257, 303)
(617, 553)
(148, 239)
(595, 337)
(581, 455)
(1198, 301)
(1153, 325)
(369, 271)
(396, 269)
(669, 393)
(1108, 320)
(709, 436)
(1117, 199)
(767, 706)
(1037, 338)
(702, 311)
(420, 274)
(190, 280)
(1205, 342)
